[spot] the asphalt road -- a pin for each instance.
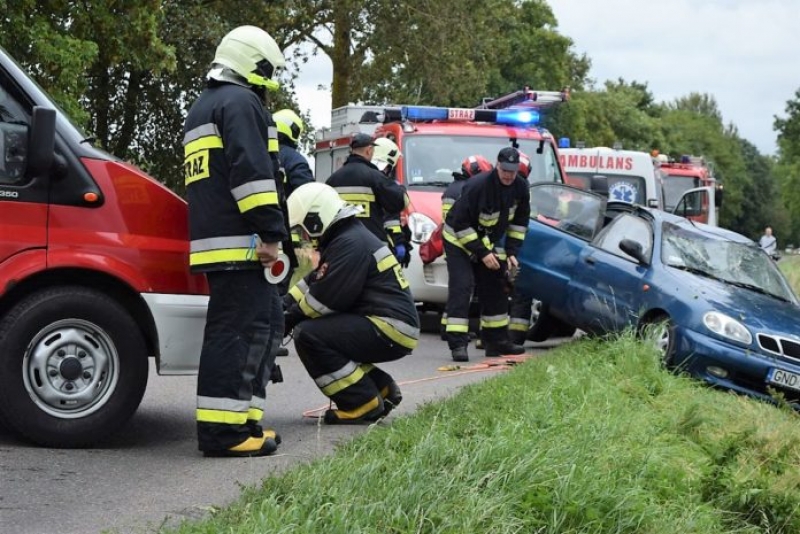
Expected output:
(151, 473)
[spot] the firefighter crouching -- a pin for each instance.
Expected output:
(353, 311)
(492, 210)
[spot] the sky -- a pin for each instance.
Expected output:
(745, 53)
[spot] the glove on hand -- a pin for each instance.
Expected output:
(400, 252)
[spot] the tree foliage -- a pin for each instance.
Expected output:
(128, 70)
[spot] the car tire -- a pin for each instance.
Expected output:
(73, 369)
(660, 330)
(544, 325)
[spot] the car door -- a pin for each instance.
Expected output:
(699, 205)
(606, 292)
(562, 222)
(23, 201)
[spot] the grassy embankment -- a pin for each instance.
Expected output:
(593, 437)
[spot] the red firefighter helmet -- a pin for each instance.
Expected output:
(474, 165)
(525, 166)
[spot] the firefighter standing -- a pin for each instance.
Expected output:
(296, 172)
(353, 311)
(295, 166)
(521, 307)
(385, 158)
(236, 225)
(360, 183)
(493, 208)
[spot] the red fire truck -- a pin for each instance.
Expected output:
(94, 276)
(690, 172)
(434, 141)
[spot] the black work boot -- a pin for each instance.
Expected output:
(392, 396)
(503, 348)
(459, 354)
(357, 416)
(517, 337)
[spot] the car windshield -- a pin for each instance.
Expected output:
(740, 264)
(675, 187)
(431, 160)
(622, 188)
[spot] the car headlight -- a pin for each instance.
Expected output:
(728, 327)
(421, 227)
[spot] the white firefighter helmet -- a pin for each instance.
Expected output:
(289, 124)
(315, 206)
(252, 57)
(386, 153)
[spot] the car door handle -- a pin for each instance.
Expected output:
(590, 260)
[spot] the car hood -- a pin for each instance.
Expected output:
(758, 311)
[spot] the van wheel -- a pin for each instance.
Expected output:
(73, 368)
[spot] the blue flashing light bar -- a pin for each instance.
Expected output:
(518, 117)
(510, 117)
(564, 142)
(424, 113)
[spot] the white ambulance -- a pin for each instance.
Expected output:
(632, 176)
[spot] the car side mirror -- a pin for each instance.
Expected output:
(718, 195)
(41, 144)
(633, 249)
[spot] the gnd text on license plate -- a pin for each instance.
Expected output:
(779, 377)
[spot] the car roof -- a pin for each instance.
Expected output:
(691, 226)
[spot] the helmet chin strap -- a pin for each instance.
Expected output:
(260, 81)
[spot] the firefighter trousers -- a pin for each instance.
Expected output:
(462, 275)
(520, 311)
(243, 329)
(339, 352)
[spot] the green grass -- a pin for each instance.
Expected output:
(594, 437)
(790, 266)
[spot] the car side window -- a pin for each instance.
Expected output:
(626, 226)
(13, 136)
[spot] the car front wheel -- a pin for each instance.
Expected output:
(660, 332)
(73, 369)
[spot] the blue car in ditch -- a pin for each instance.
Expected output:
(719, 307)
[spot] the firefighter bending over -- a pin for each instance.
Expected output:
(353, 311)
(483, 232)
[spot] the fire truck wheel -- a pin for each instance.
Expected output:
(73, 367)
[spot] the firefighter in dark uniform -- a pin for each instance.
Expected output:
(295, 165)
(492, 210)
(296, 172)
(521, 308)
(471, 166)
(354, 311)
(236, 226)
(386, 157)
(360, 183)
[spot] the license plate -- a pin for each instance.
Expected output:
(779, 377)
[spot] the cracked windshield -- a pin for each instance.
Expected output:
(738, 264)
(431, 160)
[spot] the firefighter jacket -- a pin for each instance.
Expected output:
(489, 216)
(295, 167)
(451, 194)
(357, 274)
(359, 182)
(232, 186)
